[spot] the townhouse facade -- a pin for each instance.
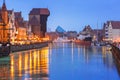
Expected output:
(112, 31)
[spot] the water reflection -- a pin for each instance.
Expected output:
(27, 65)
(81, 63)
(4, 69)
(107, 58)
(60, 62)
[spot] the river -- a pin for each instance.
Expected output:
(60, 61)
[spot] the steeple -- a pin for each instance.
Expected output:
(4, 6)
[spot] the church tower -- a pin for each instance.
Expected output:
(4, 13)
(4, 21)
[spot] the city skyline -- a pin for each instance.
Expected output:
(71, 15)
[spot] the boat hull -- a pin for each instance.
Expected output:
(81, 42)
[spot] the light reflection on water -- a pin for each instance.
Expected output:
(63, 61)
(26, 65)
(81, 63)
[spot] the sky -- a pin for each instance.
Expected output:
(71, 15)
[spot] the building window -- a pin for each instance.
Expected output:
(106, 30)
(106, 34)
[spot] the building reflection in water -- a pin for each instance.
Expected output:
(30, 65)
(107, 58)
(4, 69)
(90, 52)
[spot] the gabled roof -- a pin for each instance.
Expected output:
(19, 24)
(115, 24)
(34, 21)
(17, 14)
(39, 11)
(9, 11)
(87, 28)
(18, 19)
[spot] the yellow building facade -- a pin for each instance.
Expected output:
(22, 34)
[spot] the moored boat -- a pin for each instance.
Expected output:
(82, 42)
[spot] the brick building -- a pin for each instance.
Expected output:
(38, 21)
(4, 28)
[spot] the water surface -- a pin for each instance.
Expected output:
(61, 61)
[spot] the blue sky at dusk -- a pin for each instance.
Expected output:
(71, 14)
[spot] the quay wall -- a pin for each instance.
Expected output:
(16, 48)
(116, 53)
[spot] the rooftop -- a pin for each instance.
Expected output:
(115, 24)
(39, 11)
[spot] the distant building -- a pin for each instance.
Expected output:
(71, 34)
(85, 33)
(112, 31)
(52, 35)
(87, 30)
(38, 21)
(59, 29)
(98, 35)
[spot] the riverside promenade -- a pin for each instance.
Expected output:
(6, 50)
(16, 48)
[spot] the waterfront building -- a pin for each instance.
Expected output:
(21, 31)
(12, 26)
(52, 35)
(71, 35)
(4, 24)
(38, 21)
(98, 35)
(87, 30)
(85, 33)
(112, 31)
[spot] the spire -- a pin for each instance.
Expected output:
(4, 6)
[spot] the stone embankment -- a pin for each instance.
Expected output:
(16, 48)
(6, 50)
(116, 53)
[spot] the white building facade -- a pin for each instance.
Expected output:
(12, 26)
(112, 31)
